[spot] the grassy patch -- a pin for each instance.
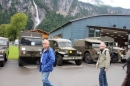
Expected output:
(13, 53)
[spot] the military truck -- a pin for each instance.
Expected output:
(120, 53)
(4, 50)
(89, 48)
(112, 46)
(65, 52)
(30, 47)
(109, 41)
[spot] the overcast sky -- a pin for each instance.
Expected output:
(115, 3)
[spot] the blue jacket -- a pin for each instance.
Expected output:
(47, 60)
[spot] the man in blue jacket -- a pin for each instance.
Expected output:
(46, 62)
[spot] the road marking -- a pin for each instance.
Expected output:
(71, 66)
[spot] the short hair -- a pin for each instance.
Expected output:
(102, 43)
(46, 41)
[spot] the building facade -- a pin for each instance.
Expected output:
(93, 26)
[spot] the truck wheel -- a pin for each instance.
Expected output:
(78, 62)
(123, 60)
(59, 60)
(20, 62)
(55, 62)
(114, 59)
(87, 58)
(1, 63)
(5, 58)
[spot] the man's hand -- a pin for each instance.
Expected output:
(105, 70)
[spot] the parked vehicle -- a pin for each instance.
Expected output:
(89, 48)
(16, 42)
(120, 52)
(4, 50)
(65, 52)
(114, 50)
(30, 47)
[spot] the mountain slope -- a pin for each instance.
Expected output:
(53, 13)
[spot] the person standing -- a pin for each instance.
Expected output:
(126, 56)
(103, 63)
(46, 62)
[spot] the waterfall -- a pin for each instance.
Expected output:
(37, 19)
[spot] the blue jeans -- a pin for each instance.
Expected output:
(102, 77)
(45, 80)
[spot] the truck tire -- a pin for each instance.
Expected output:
(59, 60)
(20, 62)
(55, 62)
(5, 58)
(114, 59)
(1, 63)
(87, 58)
(78, 62)
(123, 60)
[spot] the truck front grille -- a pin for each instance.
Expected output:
(72, 53)
(33, 52)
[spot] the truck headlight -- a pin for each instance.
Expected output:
(24, 52)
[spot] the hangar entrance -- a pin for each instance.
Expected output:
(121, 36)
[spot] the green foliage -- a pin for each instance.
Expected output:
(3, 30)
(29, 23)
(74, 3)
(54, 3)
(13, 53)
(53, 21)
(18, 23)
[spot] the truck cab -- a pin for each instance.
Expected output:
(4, 50)
(30, 47)
(89, 48)
(114, 50)
(65, 52)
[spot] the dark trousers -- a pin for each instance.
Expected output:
(102, 77)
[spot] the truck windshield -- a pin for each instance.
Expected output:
(31, 41)
(96, 45)
(2, 42)
(65, 44)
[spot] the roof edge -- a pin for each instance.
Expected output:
(61, 26)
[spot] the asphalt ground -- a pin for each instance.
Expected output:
(67, 75)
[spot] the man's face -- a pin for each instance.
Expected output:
(101, 47)
(45, 44)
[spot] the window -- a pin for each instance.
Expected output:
(2, 42)
(65, 44)
(94, 32)
(91, 32)
(97, 33)
(55, 44)
(28, 41)
(91, 35)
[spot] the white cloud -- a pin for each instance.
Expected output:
(114, 3)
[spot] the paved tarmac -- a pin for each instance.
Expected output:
(66, 75)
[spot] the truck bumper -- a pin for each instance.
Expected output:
(1, 57)
(31, 56)
(66, 57)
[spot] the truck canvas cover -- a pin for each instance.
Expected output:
(30, 34)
